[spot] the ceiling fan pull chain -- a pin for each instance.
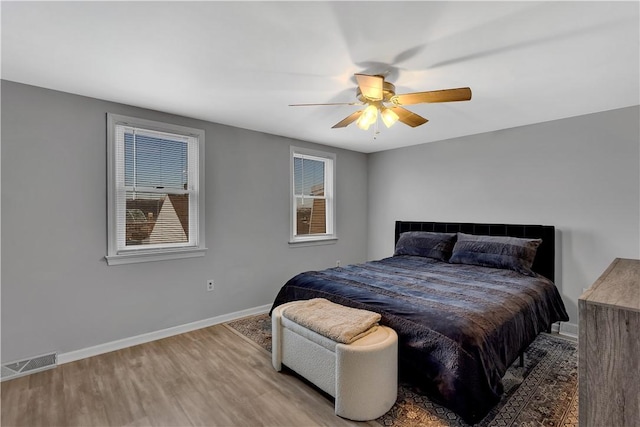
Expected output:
(375, 129)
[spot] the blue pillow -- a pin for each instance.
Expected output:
(426, 244)
(510, 253)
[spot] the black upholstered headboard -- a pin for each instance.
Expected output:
(544, 262)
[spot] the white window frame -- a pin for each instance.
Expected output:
(115, 167)
(329, 160)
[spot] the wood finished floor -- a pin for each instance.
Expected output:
(208, 377)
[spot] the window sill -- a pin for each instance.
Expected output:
(331, 240)
(149, 256)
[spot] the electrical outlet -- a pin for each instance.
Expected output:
(338, 263)
(209, 285)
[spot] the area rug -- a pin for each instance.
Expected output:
(542, 393)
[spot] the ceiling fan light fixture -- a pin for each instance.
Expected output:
(368, 117)
(389, 117)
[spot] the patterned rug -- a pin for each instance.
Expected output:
(542, 393)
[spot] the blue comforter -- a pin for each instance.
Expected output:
(459, 326)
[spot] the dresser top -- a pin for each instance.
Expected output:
(618, 286)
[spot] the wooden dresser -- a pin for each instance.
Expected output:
(609, 348)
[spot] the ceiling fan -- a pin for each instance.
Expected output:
(380, 98)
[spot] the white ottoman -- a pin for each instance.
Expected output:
(361, 376)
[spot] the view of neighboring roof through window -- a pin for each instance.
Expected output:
(160, 163)
(309, 192)
(313, 201)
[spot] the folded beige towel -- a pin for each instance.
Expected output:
(334, 321)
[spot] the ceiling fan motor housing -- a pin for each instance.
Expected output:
(388, 92)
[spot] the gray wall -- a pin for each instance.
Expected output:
(580, 174)
(58, 294)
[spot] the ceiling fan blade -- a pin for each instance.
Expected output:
(446, 95)
(348, 120)
(334, 103)
(370, 86)
(409, 118)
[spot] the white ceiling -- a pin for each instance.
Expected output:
(242, 63)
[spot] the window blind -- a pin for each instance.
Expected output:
(156, 185)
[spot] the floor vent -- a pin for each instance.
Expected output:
(29, 366)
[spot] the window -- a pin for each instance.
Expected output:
(156, 188)
(312, 196)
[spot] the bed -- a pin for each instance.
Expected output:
(460, 325)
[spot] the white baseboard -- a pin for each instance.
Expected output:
(569, 329)
(95, 350)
